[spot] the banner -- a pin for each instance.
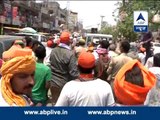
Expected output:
(79, 113)
(14, 12)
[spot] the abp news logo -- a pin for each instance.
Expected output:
(140, 21)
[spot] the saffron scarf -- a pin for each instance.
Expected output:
(9, 68)
(131, 94)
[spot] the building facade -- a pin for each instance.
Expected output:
(73, 21)
(46, 16)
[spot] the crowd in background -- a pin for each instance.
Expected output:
(65, 72)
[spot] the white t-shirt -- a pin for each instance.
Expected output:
(95, 55)
(149, 62)
(142, 57)
(3, 103)
(47, 58)
(152, 98)
(86, 93)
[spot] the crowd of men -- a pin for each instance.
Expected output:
(79, 75)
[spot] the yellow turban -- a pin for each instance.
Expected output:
(15, 51)
(15, 65)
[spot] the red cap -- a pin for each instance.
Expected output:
(49, 43)
(86, 60)
(65, 37)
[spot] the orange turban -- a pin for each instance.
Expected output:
(15, 51)
(86, 60)
(131, 94)
(50, 43)
(9, 68)
(18, 62)
(65, 37)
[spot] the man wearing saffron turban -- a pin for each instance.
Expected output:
(132, 83)
(17, 77)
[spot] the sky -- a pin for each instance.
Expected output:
(90, 12)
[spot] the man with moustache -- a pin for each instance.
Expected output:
(17, 77)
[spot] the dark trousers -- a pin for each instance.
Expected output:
(55, 92)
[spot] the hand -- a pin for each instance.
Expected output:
(38, 104)
(30, 102)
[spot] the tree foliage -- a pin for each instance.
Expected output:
(108, 29)
(125, 27)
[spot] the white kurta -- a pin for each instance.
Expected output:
(87, 93)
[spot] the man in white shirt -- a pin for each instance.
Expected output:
(142, 55)
(86, 90)
(152, 98)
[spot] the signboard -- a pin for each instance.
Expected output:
(140, 21)
(14, 12)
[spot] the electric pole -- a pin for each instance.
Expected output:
(68, 14)
(102, 20)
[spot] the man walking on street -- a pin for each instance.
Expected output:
(86, 90)
(117, 62)
(42, 79)
(63, 65)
